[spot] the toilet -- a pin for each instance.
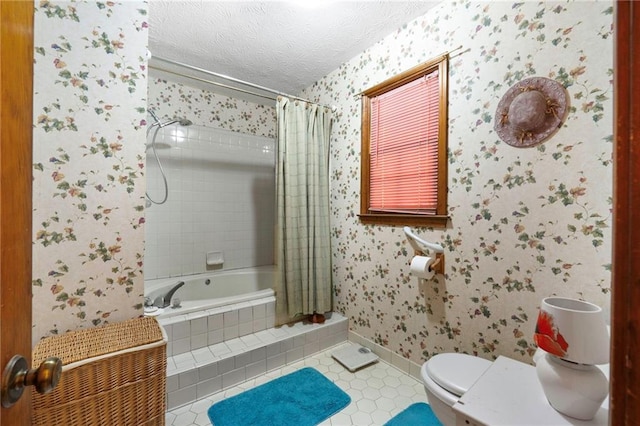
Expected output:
(446, 378)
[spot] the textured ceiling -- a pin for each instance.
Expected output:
(285, 46)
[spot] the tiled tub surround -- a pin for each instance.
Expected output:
(202, 292)
(221, 199)
(197, 373)
(197, 330)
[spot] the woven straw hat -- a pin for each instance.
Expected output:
(531, 111)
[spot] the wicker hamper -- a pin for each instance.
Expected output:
(112, 375)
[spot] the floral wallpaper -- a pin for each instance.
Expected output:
(526, 223)
(88, 166)
(205, 108)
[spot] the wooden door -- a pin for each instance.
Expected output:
(16, 118)
(625, 343)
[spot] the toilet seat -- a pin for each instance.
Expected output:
(456, 372)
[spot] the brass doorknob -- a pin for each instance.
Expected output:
(17, 375)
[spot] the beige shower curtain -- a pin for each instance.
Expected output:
(304, 283)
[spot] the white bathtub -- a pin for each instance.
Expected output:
(226, 287)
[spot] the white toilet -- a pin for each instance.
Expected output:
(446, 378)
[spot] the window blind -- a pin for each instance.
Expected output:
(404, 148)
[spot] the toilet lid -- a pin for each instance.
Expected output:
(456, 372)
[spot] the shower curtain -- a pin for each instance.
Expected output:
(302, 237)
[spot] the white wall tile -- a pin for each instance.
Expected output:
(199, 341)
(294, 355)
(273, 349)
(199, 326)
(216, 336)
(221, 185)
(181, 397)
(208, 371)
(286, 345)
(215, 322)
(311, 348)
(181, 330)
(226, 365)
(299, 341)
(311, 336)
(220, 350)
(203, 356)
(230, 332)
(242, 360)
(251, 341)
(233, 378)
(230, 318)
(172, 383)
(259, 354)
(187, 378)
(271, 308)
(276, 361)
(245, 328)
(259, 325)
(181, 346)
(208, 387)
(259, 311)
(271, 321)
(256, 369)
(245, 314)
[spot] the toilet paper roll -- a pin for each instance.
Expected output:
(420, 267)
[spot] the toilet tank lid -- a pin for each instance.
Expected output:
(456, 372)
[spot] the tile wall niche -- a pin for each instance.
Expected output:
(221, 199)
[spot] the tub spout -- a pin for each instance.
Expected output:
(163, 301)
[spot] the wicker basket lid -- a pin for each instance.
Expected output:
(88, 343)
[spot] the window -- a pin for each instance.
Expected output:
(404, 148)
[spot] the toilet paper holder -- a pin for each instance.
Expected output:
(422, 248)
(438, 265)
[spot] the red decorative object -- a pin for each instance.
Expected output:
(547, 336)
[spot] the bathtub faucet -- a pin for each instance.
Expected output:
(164, 301)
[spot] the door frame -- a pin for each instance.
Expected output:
(624, 393)
(16, 131)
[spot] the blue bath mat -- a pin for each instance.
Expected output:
(302, 398)
(418, 414)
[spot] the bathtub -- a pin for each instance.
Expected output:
(202, 292)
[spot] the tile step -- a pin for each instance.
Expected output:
(196, 374)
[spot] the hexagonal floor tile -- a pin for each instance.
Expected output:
(378, 392)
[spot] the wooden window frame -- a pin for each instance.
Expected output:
(440, 218)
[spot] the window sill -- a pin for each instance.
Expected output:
(434, 221)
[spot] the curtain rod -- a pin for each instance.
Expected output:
(436, 56)
(225, 77)
(215, 83)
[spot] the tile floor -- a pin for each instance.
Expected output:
(378, 392)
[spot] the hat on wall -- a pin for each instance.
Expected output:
(531, 111)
